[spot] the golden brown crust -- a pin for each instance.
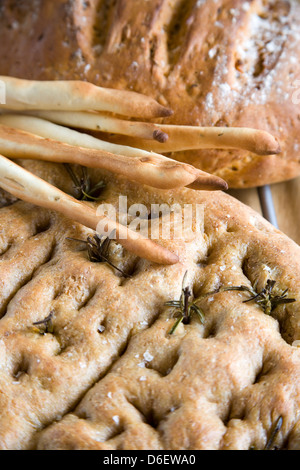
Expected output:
(241, 69)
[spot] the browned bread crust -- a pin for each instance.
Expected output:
(221, 63)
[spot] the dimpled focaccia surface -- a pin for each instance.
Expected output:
(108, 375)
(220, 63)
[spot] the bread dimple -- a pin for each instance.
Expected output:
(226, 63)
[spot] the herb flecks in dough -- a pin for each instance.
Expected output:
(84, 189)
(267, 299)
(184, 308)
(98, 250)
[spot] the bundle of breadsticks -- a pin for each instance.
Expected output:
(38, 121)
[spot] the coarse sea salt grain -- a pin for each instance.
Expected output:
(116, 419)
(234, 12)
(219, 24)
(246, 6)
(147, 356)
(209, 100)
(212, 52)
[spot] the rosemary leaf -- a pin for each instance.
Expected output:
(85, 192)
(46, 323)
(185, 308)
(175, 326)
(274, 433)
(266, 298)
(98, 250)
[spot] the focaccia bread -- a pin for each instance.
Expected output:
(89, 357)
(220, 63)
(105, 372)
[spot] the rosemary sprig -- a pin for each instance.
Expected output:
(85, 191)
(46, 323)
(274, 433)
(266, 298)
(98, 250)
(184, 308)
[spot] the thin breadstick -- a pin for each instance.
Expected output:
(104, 123)
(152, 170)
(30, 188)
(183, 138)
(179, 137)
(48, 130)
(173, 138)
(74, 95)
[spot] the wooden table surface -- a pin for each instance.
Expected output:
(286, 198)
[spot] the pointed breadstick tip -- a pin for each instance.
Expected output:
(268, 145)
(172, 258)
(207, 182)
(160, 136)
(223, 184)
(165, 112)
(277, 147)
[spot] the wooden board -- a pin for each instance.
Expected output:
(286, 199)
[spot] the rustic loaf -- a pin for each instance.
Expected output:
(222, 384)
(221, 63)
